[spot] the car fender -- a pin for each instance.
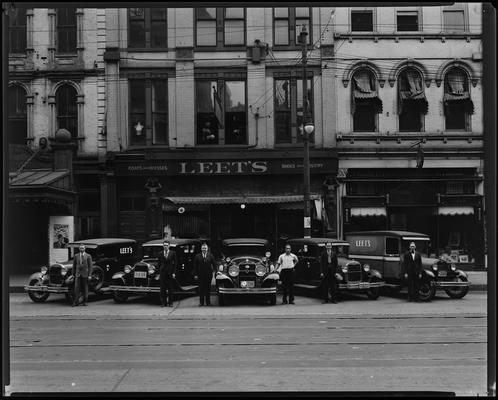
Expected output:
(272, 277)
(339, 277)
(429, 274)
(118, 275)
(461, 273)
(70, 280)
(38, 276)
(221, 277)
(375, 274)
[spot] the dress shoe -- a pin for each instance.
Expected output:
(74, 305)
(170, 305)
(334, 302)
(200, 305)
(325, 301)
(162, 305)
(84, 304)
(284, 301)
(291, 302)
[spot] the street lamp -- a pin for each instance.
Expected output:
(307, 130)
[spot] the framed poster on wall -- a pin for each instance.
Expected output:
(60, 233)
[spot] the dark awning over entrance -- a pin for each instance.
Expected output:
(41, 185)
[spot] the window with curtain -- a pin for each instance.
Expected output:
(288, 106)
(67, 109)
(412, 103)
(458, 105)
(66, 30)
(288, 23)
(147, 28)
(17, 115)
(365, 104)
(17, 31)
(148, 111)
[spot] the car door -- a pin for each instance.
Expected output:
(392, 261)
(303, 268)
(185, 254)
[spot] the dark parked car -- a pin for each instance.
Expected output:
(352, 275)
(108, 255)
(384, 250)
(246, 268)
(143, 276)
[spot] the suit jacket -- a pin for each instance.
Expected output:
(412, 266)
(167, 265)
(324, 262)
(82, 265)
(204, 267)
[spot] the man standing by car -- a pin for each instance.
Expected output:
(167, 272)
(412, 265)
(82, 268)
(328, 269)
(204, 268)
(285, 267)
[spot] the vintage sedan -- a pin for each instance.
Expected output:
(245, 267)
(143, 276)
(352, 275)
(384, 250)
(108, 255)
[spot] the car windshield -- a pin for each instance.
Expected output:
(152, 251)
(340, 250)
(256, 250)
(422, 246)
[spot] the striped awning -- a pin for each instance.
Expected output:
(368, 211)
(456, 210)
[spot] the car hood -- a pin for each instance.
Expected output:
(67, 264)
(245, 259)
(344, 261)
(430, 261)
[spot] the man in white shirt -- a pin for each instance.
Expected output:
(285, 266)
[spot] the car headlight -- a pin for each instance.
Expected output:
(228, 259)
(127, 269)
(434, 267)
(63, 271)
(344, 268)
(233, 270)
(263, 259)
(453, 267)
(366, 267)
(220, 268)
(151, 269)
(43, 270)
(260, 270)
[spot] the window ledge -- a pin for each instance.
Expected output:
(410, 136)
(407, 35)
(147, 49)
(241, 47)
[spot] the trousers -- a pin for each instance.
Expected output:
(166, 291)
(413, 286)
(330, 284)
(287, 278)
(80, 283)
(205, 289)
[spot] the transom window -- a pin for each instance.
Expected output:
(147, 28)
(17, 31)
(17, 117)
(148, 112)
(67, 109)
(209, 22)
(288, 24)
(221, 111)
(66, 30)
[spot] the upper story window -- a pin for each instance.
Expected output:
(289, 109)
(148, 111)
(66, 30)
(17, 31)
(17, 117)
(221, 111)
(147, 28)
(288, 23)
(453, 20)
(412, 103)
(365, 101)
(67, 109)
(231, 21)
(362, 21)
(457, 103)
(407, 21)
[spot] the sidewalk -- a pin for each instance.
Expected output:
(478, 281)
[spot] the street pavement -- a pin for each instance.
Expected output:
(356, 345)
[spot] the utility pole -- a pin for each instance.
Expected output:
(307, 129)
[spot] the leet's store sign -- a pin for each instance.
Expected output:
(226, 167)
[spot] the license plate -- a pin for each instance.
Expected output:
(140, 274)
(442, 273)
(248, 284)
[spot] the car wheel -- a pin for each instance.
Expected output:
(426, 291)
(96, 280)
(120, 297)
(37, 297)
(221, 299)
(457, 292)
(273, 299)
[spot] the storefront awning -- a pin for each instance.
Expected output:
(241, 199)
(368, 211)
(456, 210)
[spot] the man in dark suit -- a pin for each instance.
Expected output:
(204, 268)
(328, 269)
(82, 268)
(167, 272)
(412, 265)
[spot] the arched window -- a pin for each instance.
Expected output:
(412, 103)
(67, 109)
(457, 103)
(17, 122)
(365, 102)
